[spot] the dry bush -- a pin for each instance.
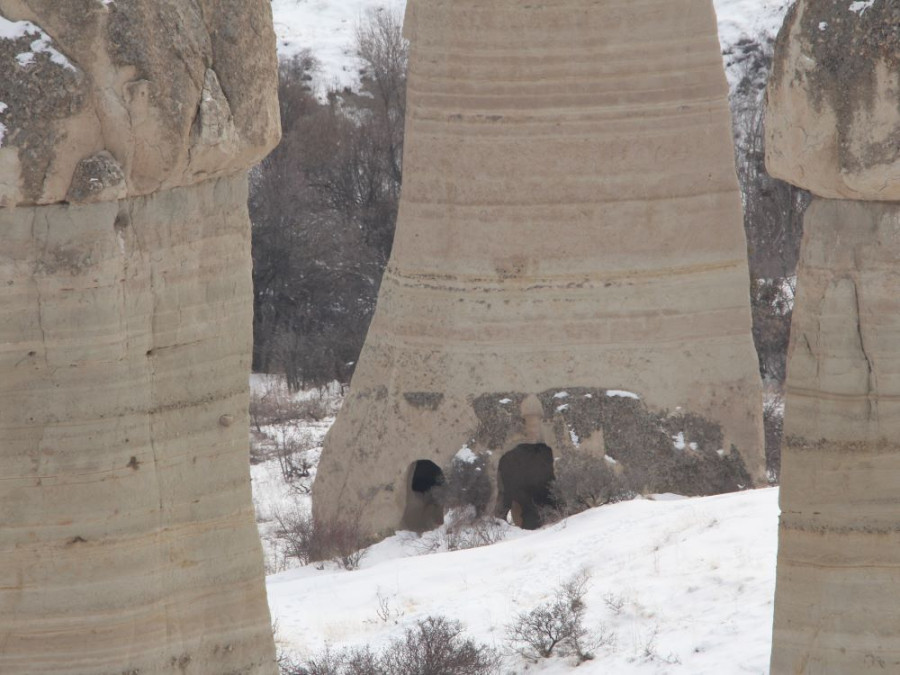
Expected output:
(466, 483)
(359, 661)
(583, 481)
(773, 423)
(436, 646)
(273, 406)
(463, 529)
(557, 626)
(310, 540)
(432, 646)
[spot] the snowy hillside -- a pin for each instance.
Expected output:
(677, 586)
(326, 27)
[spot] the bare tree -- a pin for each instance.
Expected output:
(323, 207)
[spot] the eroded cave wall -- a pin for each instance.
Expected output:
(128, 542)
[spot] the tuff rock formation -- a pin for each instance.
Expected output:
(832, 125)
(569, 267)
(127, 538)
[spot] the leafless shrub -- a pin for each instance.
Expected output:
(773, 423)
(436, 646)
(386, 612)
(294, 461)
(584, 481)
(311, 539)
(272, 406)
(557, 626)
(432, 646)
(466, 483)
(614, 602)
(463, 529)
(359, 661)
(648, 650)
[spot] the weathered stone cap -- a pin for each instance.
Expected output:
(833, 116)
(105, 99)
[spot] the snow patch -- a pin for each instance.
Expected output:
(466, 455)
(861, 6)
(619, 393)
(16, 30)
(610, 460)
(561, 408)
(574, 438)
(678, 440)
(3, 109)
(504, 401)
(823, 25)
(561, 394)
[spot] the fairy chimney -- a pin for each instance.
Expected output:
(832, 125)
(128, 542)
(569, 269)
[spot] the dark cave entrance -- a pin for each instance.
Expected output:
(423, 512)
(523, 484)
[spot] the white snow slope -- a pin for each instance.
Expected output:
(685, 586)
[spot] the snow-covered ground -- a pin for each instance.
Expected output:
(327, 27)
(678, 586)
(685, 586)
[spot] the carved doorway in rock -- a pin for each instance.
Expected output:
(523, 484)
(423, 512)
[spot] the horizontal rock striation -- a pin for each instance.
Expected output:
(832, 124)
(128, 543)
(570, 219)
(838, 546)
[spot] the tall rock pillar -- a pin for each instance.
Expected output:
(127, 536)
(832, 126)
(569, 267)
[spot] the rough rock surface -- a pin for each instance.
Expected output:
(570, 221)
(128, 542)
(839, 545)
(177, 91)
(833, 125)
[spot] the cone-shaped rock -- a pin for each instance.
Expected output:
(832, 124)
(569, 267)
(127, 536)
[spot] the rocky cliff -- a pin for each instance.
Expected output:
(128, 542)
(832, 124)
(570, 226)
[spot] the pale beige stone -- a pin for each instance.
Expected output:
(833, 115)
(570, 222)
(127, 537)
(176, 92)
(839, 545)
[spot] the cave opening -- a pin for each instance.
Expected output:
(524, 475)
(423, 510)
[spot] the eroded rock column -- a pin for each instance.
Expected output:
(832, 124)
(127, 541)
(569, 267)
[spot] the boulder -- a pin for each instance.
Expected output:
(833, 113)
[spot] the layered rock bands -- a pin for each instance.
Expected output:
(832, 125)
(570, 226)
(128, 542)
